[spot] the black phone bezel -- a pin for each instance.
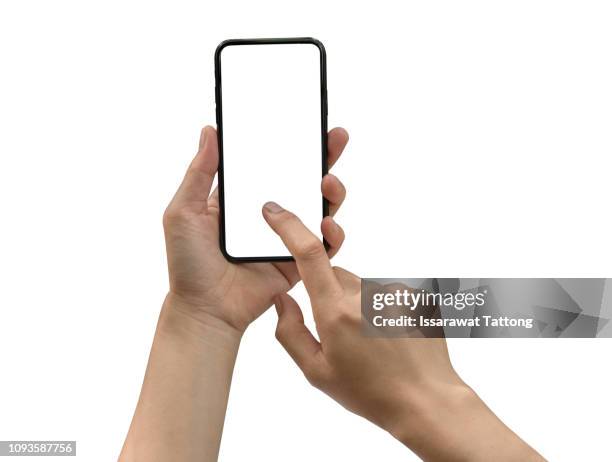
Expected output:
(219, 120)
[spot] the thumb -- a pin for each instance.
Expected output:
(195, 188)
(296, 338)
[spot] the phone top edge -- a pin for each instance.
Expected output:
(270, 41)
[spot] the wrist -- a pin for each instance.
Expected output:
(197, 323)
(449, 422)
(421, 407)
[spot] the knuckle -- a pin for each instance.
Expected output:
(284, 332)
(314, 380)
(348, 319)
(314, 375)
(279, 333)
(311, 249)
(342, 321)
(174, 216)
(168, 217)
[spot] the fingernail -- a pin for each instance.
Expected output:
(273, 207)
(278, 304)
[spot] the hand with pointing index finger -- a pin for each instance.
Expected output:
(404, 385)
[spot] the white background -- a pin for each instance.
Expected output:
(271, 100)
(481, 139)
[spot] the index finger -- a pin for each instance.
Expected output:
(307, 250)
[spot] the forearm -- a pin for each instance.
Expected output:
(454, 424)
(184, 396)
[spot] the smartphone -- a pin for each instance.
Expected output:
(271, 109)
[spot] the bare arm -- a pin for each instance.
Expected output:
(183, 400)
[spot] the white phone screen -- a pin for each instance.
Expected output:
(272, 141)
